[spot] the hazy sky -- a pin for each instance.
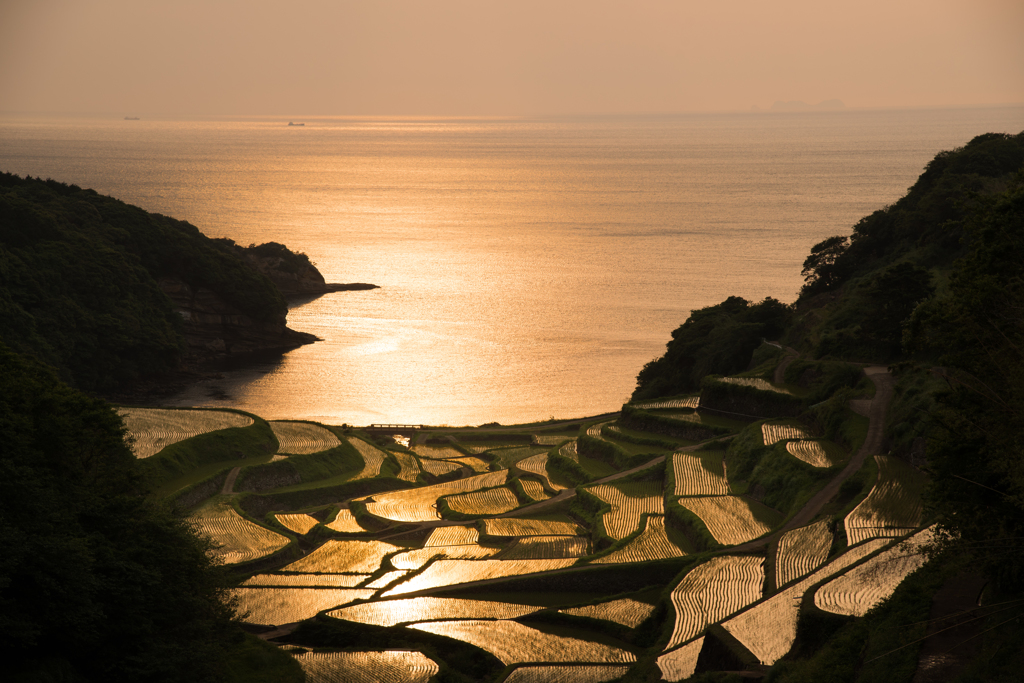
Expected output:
(450, 57)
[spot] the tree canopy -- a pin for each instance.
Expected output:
(96, 583)
(79, 281)
(717, 339)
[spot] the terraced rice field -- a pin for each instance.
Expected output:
(439, 468)
(892, 508)
(712, 591)
(685, 402)
(276, 606)
(344, 557)
(414, 559)
(345, 522)
(756, 382)
(154, 429)
(699, 474)
(773, 434)
(627, 612)
(453, 535)
(419, 504)
(546, 548)
(386, 579)
(652, 544)
(307, 580)
(813, 453)
(567, 674)
(410, 466)
(507, 457)
(680, 664)
(389, 666)
(730, 519)
(629, 501)
(300, 438)
(534, 489)
(437, 452)
(538, 464)
(866, 585)
(240, 540)
(512, 642)
(393, 612)
(297, 523)
(489, 502)
(549, 440)
(373, 458)
(514, 526)
(452, 572)
(475, 464)
(595, 430)
(486, 446)
(801, 551)
(769, 628)
(569, 451)
(689, 416)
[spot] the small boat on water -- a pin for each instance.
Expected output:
(295, 124)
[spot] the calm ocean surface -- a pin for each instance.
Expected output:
(528, 267)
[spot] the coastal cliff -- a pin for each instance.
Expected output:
(213, 327)
(110, 294)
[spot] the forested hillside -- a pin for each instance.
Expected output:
(932, 287)
(108, 293)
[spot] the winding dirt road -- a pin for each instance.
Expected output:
(872, 445)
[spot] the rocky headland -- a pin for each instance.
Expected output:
(118, 299)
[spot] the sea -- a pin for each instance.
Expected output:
(528, 268)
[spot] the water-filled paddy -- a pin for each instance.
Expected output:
(239, 539)
(393, 612)
(626, 611)
(389, 666)
(276, 606)
(512, 642)
(730, 519)
(298, 438)
(153, 429)
(344, 557)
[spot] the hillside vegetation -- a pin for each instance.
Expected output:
(932, 287)
(108, 293)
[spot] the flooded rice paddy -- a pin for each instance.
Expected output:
(408, 557)
(154, 429)
(302, 438)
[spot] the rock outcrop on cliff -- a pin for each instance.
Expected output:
(212, 327)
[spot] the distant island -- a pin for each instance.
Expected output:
(797, 105)
(295, 124)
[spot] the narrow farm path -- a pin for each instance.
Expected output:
(229, 483)
(872, 446)
(780, 369)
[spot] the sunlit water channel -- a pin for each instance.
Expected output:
(528, 267)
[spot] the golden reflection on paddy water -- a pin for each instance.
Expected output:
(528, 267)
